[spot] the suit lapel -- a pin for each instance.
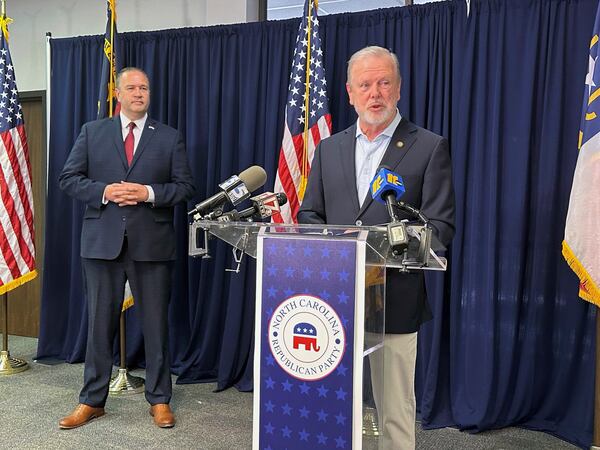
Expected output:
(147, 132)
(118, 140)
(402, 140)
(348, 142)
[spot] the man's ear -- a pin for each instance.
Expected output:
(349, 91)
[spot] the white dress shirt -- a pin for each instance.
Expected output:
(137, 131)
(137, 134)
(368, 155)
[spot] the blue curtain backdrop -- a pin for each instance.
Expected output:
(511, 344)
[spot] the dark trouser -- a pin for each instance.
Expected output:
(151, 287)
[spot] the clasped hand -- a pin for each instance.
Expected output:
(126, 194)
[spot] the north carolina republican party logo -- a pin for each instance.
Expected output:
(306, 337)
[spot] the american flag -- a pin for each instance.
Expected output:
(307, 118)
(17, 249)
(107, 99)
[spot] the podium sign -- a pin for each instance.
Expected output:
(306, 291)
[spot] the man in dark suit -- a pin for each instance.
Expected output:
(130, 171)
(338, 193)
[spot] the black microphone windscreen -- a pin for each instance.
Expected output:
(281, 198)
(253, 177)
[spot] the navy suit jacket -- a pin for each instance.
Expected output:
(423, 160)
(98, 159)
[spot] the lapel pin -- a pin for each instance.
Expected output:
(151, 127)
(399, 144)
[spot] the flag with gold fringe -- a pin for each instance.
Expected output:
(107, 99)
(307, 118)
(581, 245)
(17, 243)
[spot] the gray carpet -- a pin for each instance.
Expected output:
(32, 402)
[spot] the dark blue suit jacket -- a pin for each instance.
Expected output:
(98, 159)
(422, 159)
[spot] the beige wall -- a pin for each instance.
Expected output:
(66, 18)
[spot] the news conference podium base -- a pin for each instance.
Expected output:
(320, 313)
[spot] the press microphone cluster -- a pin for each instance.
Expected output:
(263, 207)
(233, 191)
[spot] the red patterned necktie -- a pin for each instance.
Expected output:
(129, 141)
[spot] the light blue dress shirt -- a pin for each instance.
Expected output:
(368, 155)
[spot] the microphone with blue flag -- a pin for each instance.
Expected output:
(387, 187)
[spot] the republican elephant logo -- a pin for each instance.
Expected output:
(305, 335)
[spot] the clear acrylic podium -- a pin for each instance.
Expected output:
(320, 313)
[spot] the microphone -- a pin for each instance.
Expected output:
(234, 190)
(263, 206)
(387, 187)
(231, 216)
(268, 203)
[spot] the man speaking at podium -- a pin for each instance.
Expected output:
(338, 193)
(130, 171)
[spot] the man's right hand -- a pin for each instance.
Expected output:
(125, 194)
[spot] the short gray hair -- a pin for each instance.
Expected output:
(373, 50)
(125, 70)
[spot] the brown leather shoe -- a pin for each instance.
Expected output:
(163, 416)
(81, 415)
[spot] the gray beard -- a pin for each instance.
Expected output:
(369, 118)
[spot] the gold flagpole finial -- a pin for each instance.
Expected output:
(4, 20)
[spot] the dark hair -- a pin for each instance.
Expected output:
(124, 70)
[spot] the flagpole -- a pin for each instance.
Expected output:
(304, 168)
(48, 103)
(596, 436)
(123, 382)
(111, 81)
(8, 364)
(5, 314)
